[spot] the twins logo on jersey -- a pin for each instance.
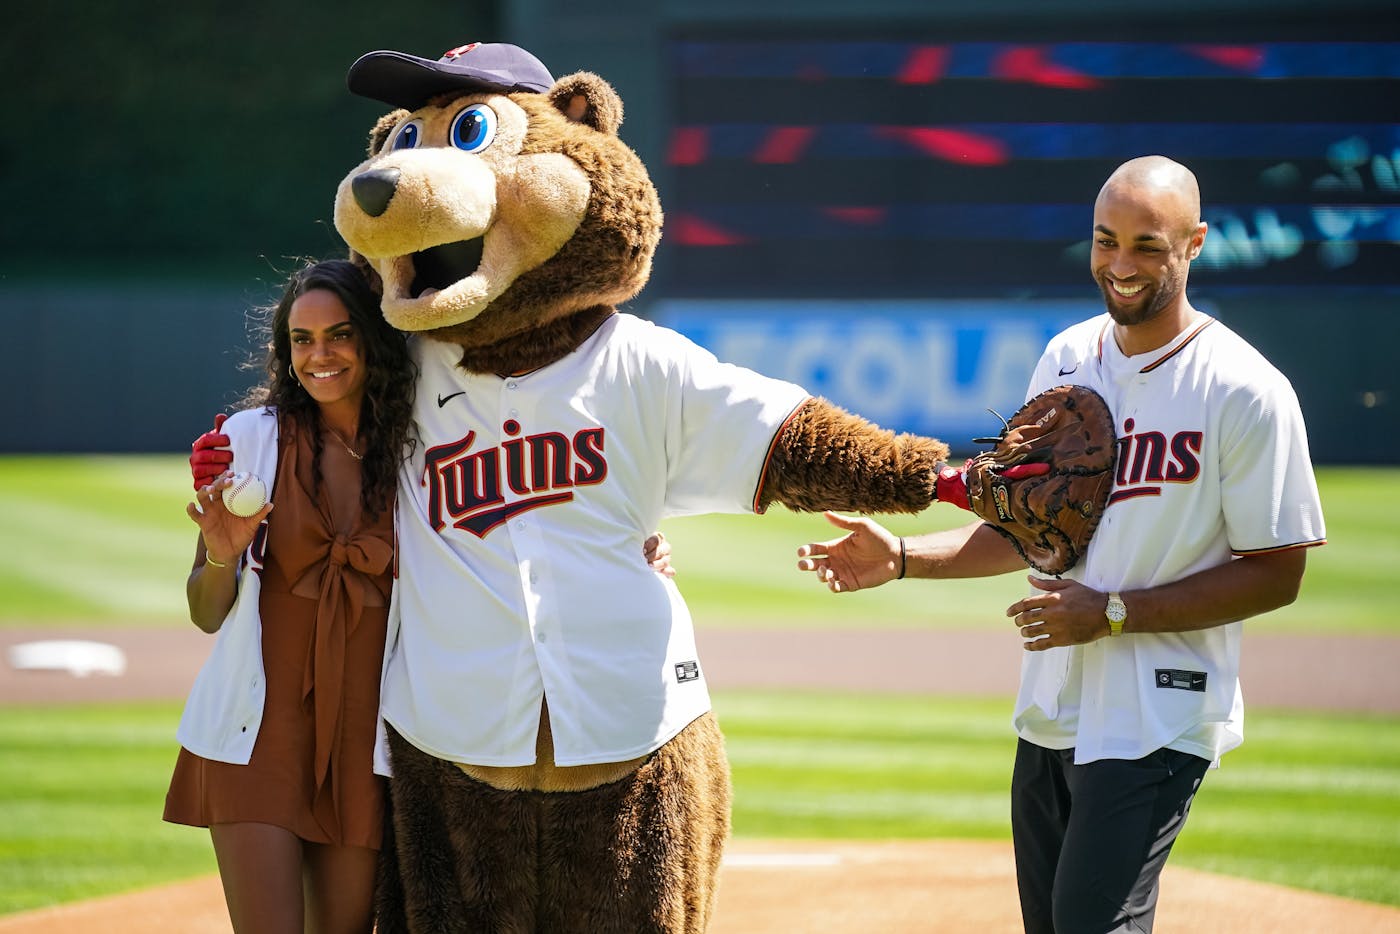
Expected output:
(1148, 459)
(468, 489)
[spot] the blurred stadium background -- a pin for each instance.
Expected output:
(850, 187)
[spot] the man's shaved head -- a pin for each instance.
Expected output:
(1147, 230)
(1168, 185)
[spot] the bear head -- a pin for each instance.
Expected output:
(498, 208)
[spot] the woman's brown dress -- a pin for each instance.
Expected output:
(324, 608)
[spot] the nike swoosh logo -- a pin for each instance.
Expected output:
(1064, 371)
(443, 400)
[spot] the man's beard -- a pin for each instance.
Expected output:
(1140, 311)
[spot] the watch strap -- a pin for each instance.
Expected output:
(1118, 618)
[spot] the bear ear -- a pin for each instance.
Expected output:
(585, 98)
(379, 135)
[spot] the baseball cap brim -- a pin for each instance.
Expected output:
(408, 81)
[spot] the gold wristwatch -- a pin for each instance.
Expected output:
(1117, 613)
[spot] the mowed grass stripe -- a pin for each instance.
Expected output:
(105, 537)
(82, 789)
(1350, 580)
(1309, 800)
(101, 538)
(801, 812)
(820, 765)
(134, 575)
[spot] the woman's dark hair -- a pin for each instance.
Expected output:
(385, 428)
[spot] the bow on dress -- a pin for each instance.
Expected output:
(343, 569)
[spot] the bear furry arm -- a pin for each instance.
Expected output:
(828, 458)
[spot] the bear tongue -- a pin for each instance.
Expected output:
(440, 266)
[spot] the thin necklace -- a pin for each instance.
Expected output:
(348, 449)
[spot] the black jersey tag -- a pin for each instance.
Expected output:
(1180, 680)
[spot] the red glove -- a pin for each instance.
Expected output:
(209, 455)
(951, 485)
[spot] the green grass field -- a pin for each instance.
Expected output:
(106, 540)
(1310, 800)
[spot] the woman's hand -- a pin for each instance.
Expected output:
(225, 535)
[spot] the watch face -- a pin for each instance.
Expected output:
(1116, 611)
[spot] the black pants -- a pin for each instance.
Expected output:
(1091, 840)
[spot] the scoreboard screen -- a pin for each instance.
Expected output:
(906, 165)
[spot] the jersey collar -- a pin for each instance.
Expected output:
(1171, 350)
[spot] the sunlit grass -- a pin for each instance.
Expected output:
(103, 540)
(1310, 800)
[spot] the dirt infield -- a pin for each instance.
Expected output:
(949, 887)
(1279, 670)
(820, 887)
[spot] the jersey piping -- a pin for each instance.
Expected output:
(1313, 543)
(768, 458)
(1103, 335)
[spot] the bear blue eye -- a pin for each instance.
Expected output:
(474, 128)
(408, 135)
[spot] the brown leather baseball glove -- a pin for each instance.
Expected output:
(1046, 482)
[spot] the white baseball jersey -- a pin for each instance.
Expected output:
(521, 518)
(1213, 463)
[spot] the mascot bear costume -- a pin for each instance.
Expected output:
(556, 765)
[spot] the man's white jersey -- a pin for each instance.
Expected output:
(1213, 463)
(521, 517)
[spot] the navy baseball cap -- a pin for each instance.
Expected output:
(409, 81)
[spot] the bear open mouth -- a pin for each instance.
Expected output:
(440, 266)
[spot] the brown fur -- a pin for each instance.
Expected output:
(550, 310)
(379, 133)
(637, 855)
(582, 98)
(607, 261)
(827, 458)
(492, 850)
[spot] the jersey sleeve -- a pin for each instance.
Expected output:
(1268, 487)
(721, 430)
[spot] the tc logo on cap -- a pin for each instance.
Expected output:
(460, 50)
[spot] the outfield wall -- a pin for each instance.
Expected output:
(884, 200)
(144, 368)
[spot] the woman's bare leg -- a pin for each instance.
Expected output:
(260, 867)
(339, 889)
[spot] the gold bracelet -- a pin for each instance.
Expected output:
(211, 562)
(901, 559)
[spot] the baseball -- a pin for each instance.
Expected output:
(246, 495)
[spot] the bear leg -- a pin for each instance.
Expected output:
(640, 854)
(466, 852)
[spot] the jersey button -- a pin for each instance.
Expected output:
(510, 385)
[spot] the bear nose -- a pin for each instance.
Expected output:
(373, 190)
